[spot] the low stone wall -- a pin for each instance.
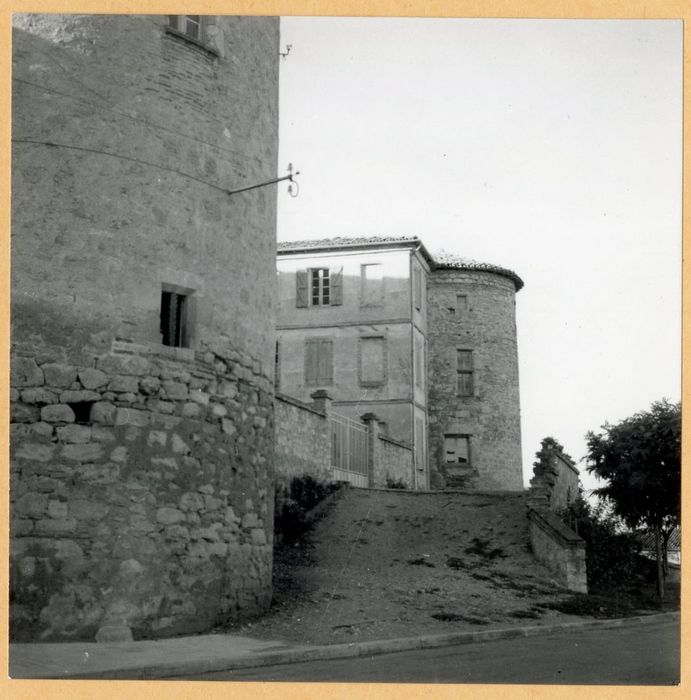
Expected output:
(558, 548)
(140, 492)
(393, 461)
(303, 440)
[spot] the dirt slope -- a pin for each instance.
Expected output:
(394, 563)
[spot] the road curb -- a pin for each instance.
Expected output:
(355, 649)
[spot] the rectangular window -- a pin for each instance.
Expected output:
(320, 286)
(461, 302)
(372, 361)
(417, 287)
(318, 362)
(173, 319)
(277, 367)
(199, 29)
(464, 369)
(456, 449)
(419, 443)
(372, 276)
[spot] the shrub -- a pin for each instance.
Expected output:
(611, 555)
(392, 483)
(293, 502)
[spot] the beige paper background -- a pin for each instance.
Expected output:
(547, 9)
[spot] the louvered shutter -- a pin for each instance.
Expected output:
(325, 362)
(301, 288)
(311, 362)
(337, 287)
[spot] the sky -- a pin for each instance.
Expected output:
(551, 147)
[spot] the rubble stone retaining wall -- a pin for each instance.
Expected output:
(303, 440)
(139, 492)
(555, 483)
(559, 548)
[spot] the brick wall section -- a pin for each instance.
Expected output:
(491, 417)
(555, 483)
(155, 513)
(559, 548)
(393, 460)
(303, 440)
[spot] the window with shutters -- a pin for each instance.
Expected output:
(372, 283)
(372, 361)
(173, 319)
(319, 286)
(464, 371)
(457, 449)
(198, 29)
(419, 360)
(318, 362)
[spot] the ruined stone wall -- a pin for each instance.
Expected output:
(141, 493)
(393, 461)
(555, 483)
(482, 321)
(303, 441)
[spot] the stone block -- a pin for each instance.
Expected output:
(82, 509)
(108, 473)
(59, 375)
(68, 549)
(119, 454)
(124, 383)
(249, 521)
(179, 445)
(71, 396)
(41, 429)
(57, 509)
(258, 536)
(166, 407)
(14, 394)
(169, 516)
(102, 412)
(32, 505)
(89, 452)
(25, 372)
(157, 438)
(23, 413)
(34, 451)
(191, 501)
(218, 410)
(191, 410)
(175, 390)
(199, 397)
(150, 385)
(228, 426)
(57, 413)
(55, 526)
(92, 378)
(124, 364)
(39, 395)
(102, 433)
(74, 433)
(131, 416)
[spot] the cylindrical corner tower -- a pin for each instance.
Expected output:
(474, 412)
(142, 323)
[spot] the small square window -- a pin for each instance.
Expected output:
(173, 319)
(456, 449)
(461, 302)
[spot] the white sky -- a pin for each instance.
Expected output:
(549, 147)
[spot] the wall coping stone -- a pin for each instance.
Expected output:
(298, 404)
(553, 526)
(394, 441)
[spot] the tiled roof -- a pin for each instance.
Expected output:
(442, 260)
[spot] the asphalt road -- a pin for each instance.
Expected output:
(640, 655)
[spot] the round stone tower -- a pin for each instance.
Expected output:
(474, 412)
(142, 323)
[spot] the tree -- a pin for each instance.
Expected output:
(640, 459)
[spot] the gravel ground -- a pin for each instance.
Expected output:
(383, 564)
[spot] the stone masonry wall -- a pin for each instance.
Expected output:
(303, 440)
(560, 549)
(490, 418)
(393, 460)
(139, 492)
(555, 483)
(141, 487)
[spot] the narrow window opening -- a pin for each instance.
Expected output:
(82, 411)
(173, 307)
(464, 370)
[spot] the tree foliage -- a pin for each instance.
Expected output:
(640, 461)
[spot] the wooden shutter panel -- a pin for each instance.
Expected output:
(311, 364)
(301, 288)
(325, 362)
(337, 287)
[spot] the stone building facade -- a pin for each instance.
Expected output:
(142, 323)
(426, 342)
